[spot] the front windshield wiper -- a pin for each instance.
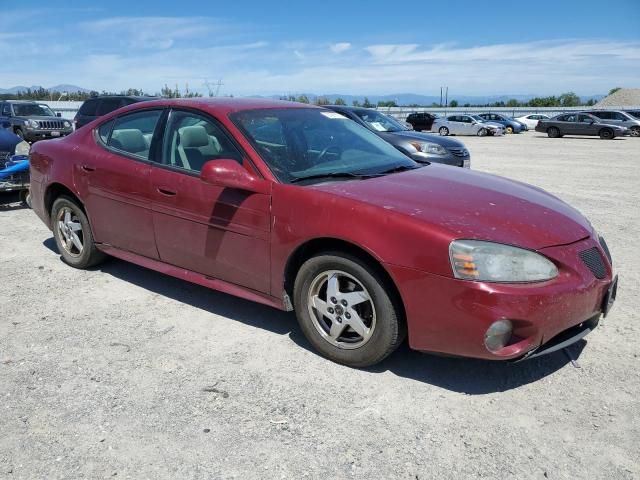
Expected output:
(399, 168)
(330, 175)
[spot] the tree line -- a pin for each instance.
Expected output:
(52, 95)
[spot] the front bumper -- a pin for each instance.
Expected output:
(451, 316)
(35, 134)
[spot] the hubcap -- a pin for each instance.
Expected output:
(341, 309)
(70, 231)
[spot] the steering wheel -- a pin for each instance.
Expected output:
(327, 149)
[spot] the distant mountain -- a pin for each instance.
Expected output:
(57, 88)
(427, 100)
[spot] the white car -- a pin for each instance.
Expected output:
(466, 125)
(532, 120)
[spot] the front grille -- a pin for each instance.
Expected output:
(459, 152)
(605, 247)
(50, 124)
(593, 260)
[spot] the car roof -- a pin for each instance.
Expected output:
(222, 105)
(130, 97)
(350, 109)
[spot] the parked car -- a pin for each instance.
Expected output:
(531, 120)
(421, 147)
(299, 208)
(32, 121)
(96, 107)
(421, 121)
(510, 125)
(579, 124)
(616, 117)
(14, 164)
(466, 125)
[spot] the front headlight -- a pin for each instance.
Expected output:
(23, 148)
(495, 262)
(32, 123)
(66, 124)
(430, 148)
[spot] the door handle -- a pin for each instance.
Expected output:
(166, 191)
(88, 168)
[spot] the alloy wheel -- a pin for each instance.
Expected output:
(70, 231)
(341, 309)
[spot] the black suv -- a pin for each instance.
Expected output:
(421, 121)
(97, 106)
(32, 121)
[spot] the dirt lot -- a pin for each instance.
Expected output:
(122, 371)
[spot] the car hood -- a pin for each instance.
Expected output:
(427, 137)
(466, 204)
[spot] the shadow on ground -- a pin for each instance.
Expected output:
(11, 201)
(469, 376)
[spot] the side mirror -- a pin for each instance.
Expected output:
(58, 114)
(230, 174)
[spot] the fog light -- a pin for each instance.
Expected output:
(498, 335)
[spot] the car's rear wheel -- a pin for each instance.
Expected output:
(482, 132)
(508, 129)
(606, 134)
(553, 132)
(346, 311)
(444, 131)
(72, 233)
(635, 131)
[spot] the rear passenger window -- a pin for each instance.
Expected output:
(133, 133)
(89, 108)
(104, 130)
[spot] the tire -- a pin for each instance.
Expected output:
(25, 197)
(68, 219)
(482, 132)
(444, 131)
(553, 132)
(508, 129)
(366, 297)
(635, 131)
(606, 134)
(19, 133)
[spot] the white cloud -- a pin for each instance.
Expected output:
(340, 47)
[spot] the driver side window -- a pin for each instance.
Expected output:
(191, 140)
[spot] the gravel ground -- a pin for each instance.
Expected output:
(123, 371)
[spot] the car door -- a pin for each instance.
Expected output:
(466, 125)
(587, 125)
(453, 125)
(217, 231)
(115, 182)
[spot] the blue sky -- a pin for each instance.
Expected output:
(373, 47)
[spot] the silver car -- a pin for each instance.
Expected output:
(621, 119)
(466, 125)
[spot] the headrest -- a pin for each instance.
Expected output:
(131, 140)
(193, 137)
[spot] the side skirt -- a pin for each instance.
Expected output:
(193, 277)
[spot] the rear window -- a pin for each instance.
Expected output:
(108, 105)
(89, 108)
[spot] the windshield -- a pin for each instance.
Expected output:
(32, 110)
(478, 118)
(298, 142)
(379, 121)
(634, 114)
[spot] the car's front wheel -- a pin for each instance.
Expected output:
(72, 233)
(508, 129)
(346, 310)
(444, 131)
(635, 131)
(482, 132)
(606, 134)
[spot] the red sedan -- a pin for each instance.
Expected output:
(299, 208)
